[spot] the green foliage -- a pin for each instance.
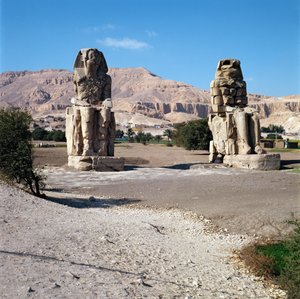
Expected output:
(272, 129)
(284, 261)
(119, 134)
(42, 134)
(141, 137)
(39, 134)
(274, 136)
(15, 149)
(56, 136)
(193, 135)
(157, 138)
(276, 252)
(130, 135)
(169, 134)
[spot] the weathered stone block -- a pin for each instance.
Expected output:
(259, 162)
(97, 163)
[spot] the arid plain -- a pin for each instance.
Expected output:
(169, 226)
(241, 201)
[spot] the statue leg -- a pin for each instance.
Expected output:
(255, 132)
(104, 122)
(212, 152)
(111, 135)
(87, 117)
(78, 142)
(241, 120)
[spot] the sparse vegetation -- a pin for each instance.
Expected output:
(130, 134)
(42, 134)
(272, 129)
(119, 134)
(16, 162)
(274, 136)
(194, 135)
(278, 261)
(158, 138)
(169, 134)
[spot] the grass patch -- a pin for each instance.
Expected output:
(295, 170)
(283, 150)
(278, 261)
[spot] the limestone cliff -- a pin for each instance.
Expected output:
(134, 91)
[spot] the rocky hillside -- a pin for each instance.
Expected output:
(135, 91)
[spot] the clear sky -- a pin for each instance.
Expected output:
(176, 39)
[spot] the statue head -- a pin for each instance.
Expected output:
(91, 57)
(229, 69)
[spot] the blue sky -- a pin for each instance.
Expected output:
(176, 39)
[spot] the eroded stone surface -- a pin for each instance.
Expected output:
(260, 162)
(90, 123)
(97, 163)
(234, 125)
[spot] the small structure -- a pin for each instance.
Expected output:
(90, 123)
(235, 126)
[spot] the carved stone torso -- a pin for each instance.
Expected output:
(93, 90)
(228, 88)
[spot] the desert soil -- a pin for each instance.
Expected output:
(167, 227)
(240, 201)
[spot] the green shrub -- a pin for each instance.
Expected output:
(193, 135)
(42, 134)
(16, 150)
(283, 262)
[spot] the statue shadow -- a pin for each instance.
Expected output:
(91, 202)
(288, 164)
(131, 167)
(183, 166)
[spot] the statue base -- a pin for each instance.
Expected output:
(97, 163)
(255, 161)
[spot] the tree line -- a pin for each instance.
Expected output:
(42, 134)
(191, 135)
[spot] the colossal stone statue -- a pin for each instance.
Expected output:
(234, 125)
(90, 123)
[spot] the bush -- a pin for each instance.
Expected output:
(274, 136)
(278, 261)
(169, 134)
(272, 129)
(15, 149)
(193, 135)
(41, 134)
(130, 134)
(141, 137)
(157, 138)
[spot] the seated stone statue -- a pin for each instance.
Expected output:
(90, 123)
(234, 125)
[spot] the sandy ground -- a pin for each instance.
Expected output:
(101, 249)
(167, 227)
(240, 201)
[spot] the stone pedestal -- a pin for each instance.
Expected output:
(97, 163)
(259, 162)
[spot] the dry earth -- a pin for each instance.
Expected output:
(240, 201)
(100, 249)
(148, 232)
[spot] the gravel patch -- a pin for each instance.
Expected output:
(50, 250)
